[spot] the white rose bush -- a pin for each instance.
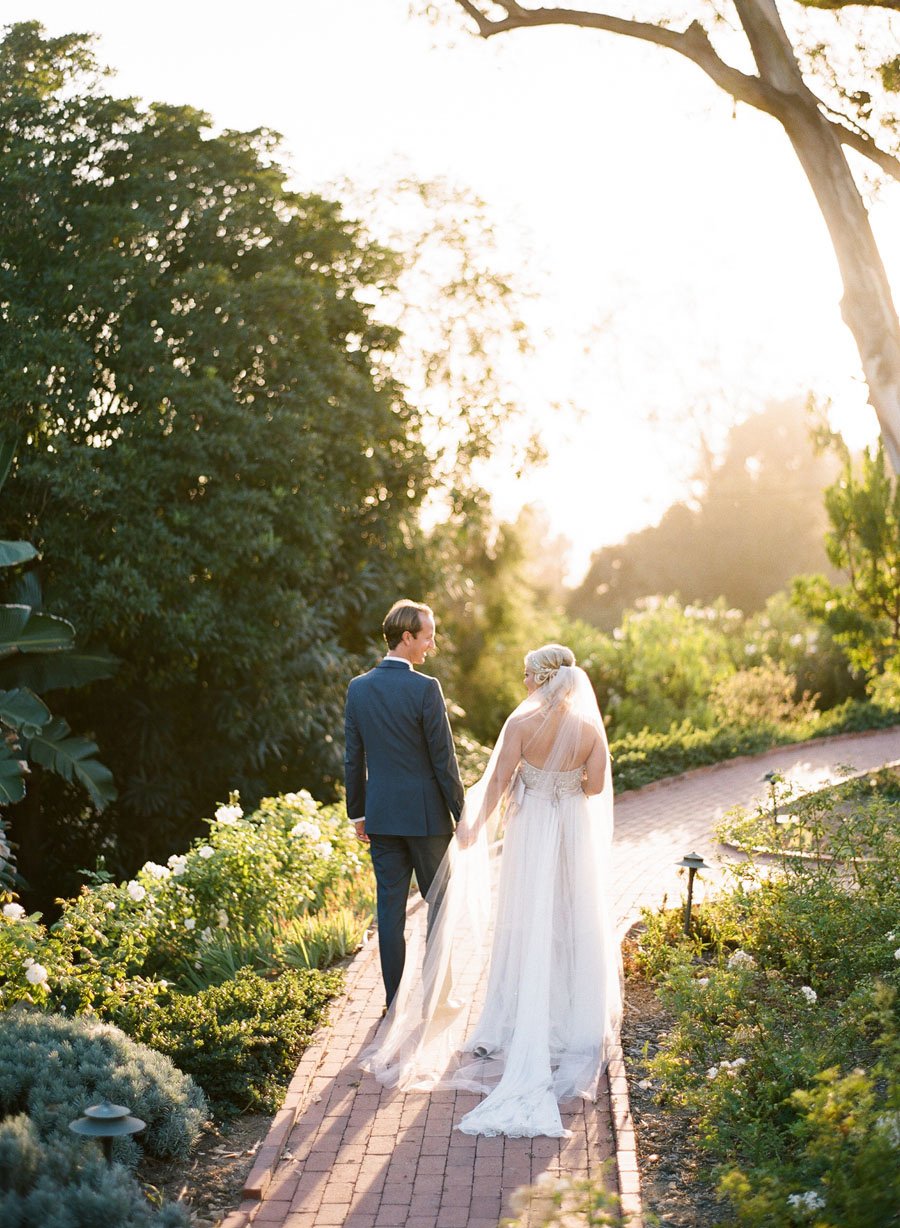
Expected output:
(253, 891)
(784, 1051)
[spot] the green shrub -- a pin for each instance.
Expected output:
(641, 758)
(762, 697)
(52, 1068)
(60, 1184)
(784, 1047)
(286, 860)
(239, 1040)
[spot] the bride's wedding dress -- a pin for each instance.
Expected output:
(530, 913)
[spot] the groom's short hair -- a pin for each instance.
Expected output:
(404, 615)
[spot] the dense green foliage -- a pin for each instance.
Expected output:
(785, 1047)
(239, 1040)
(863, 540)
(641, 758)
(213, 958)
(58, 1183)
(53, 1067)
(220, 474)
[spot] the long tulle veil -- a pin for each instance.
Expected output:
(421, 1043)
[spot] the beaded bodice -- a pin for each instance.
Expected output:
(550, 784)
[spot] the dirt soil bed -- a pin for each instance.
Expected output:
(210, 1181)
(673, 1169)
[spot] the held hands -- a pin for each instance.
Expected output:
(466, 834)
(360, 825)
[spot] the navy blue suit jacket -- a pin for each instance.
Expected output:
(400, 767)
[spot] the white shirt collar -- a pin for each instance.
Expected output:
(402, 660)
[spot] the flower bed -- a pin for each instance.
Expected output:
(784, 1047)
(217, 959)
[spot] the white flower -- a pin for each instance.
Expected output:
(206, 935)
(738, 1062)
(305, 828)
(891, 936)
(222, 919)
(645, 1085)
(741, 959)
(178, 864)
(136, 891)
(324, 849)
(26, 963)
(229, 815)
(702, 980)
(809, 993)
(15, 912)
(155, 870)
(36, 974)
(190, 923)
(712, 1072)
(810, 1201)
(897, 953)
(890, 1124)
(205, 852)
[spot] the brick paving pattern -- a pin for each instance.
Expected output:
(345, 1151)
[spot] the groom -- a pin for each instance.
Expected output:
(403, 787)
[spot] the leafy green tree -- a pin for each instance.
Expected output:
(862, 614)
(757, 521)
(221, 474)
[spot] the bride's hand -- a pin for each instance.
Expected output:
(466, 835)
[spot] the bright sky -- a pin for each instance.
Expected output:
(681, 258)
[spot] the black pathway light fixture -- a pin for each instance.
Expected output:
(105, 1121)
(692, 862)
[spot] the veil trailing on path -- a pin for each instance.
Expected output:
(523, 888)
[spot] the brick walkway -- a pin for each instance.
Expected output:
(345, 1151)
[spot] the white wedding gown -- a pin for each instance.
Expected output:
(535, 908)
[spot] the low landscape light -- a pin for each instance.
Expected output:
(692, 862)
(105, 1121)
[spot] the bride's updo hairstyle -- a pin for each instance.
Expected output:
(543, 663)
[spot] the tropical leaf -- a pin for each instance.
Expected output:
(51, 673)
(23, 711)
(13, 621)
(22, 630)
(13, 553)
(12, 776)
(24, 588)
(72, 758)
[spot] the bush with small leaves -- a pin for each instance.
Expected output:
(784, 1044)
(58, 1183)
(52, 1068)
(240, 1040)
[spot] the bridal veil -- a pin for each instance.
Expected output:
(519, 913)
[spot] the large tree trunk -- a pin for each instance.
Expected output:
(867, 306)
(780, 90)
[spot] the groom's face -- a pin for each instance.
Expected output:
(422, 644)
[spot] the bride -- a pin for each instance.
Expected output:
(531, 911)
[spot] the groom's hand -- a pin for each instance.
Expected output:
(360, 826)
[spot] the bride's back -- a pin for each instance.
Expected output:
(540, 733)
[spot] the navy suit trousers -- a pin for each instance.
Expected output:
(394, 859)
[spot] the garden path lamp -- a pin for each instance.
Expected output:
(773, 780)
(105, 1121)
(692, 862)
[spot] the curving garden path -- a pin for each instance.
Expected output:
(345, 1151)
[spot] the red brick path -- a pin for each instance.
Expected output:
(344, 1151)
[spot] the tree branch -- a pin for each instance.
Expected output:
(695, 45)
